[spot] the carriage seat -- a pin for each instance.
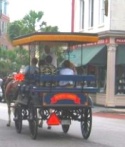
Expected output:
(78, 83)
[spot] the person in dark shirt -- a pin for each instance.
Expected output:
(50, 52)
(48, 68)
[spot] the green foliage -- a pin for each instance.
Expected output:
(11, 60)
(15, 29)
(26, 25)
(30, 23)
(30, 20)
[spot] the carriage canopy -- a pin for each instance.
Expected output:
(58, 37)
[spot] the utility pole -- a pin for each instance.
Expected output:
(72, 15)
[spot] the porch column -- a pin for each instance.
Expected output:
(110, 82)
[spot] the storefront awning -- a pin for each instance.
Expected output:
(120, 55)
(92, 55)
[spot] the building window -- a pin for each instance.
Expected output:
(2, 27)
(5, 27)
(91, 13)
(120, 70)
(101, 12)
(3, 7)
(82, 7)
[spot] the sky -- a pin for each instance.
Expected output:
(56, 12)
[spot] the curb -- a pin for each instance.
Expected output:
(108, 110)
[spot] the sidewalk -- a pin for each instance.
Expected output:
(106, 112)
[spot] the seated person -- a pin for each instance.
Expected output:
(31, 69)
(48, 68)
(47, 52)
(41, 63)
(66, 70)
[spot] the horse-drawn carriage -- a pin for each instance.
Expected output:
(52, 103)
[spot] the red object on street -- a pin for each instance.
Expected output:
(53, 119)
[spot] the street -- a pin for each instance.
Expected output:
(106, 132)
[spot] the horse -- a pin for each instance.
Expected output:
(6, 80)
(10, 93)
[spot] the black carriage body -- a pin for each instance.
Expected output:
(57, 97)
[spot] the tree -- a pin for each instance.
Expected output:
(30, 21)
(26, 25)
(15, 29)
(11, 60)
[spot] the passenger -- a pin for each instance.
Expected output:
(48, 68)
(41, 64)
(47, 52)
(66, 70)
(31, 69)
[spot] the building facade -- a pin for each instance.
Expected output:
(105, 59)
(4, 20)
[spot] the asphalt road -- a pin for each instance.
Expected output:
(106, 132)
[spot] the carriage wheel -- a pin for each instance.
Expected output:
(33, 122)
(86, 123)
(65, 128)
(18, 118)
